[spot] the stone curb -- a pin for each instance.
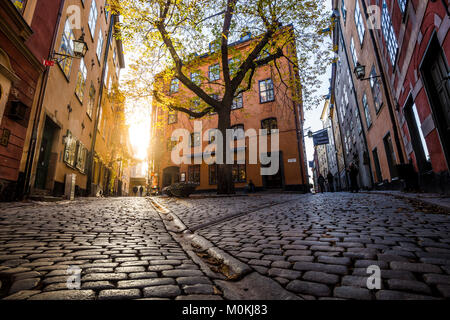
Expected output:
(237, 268)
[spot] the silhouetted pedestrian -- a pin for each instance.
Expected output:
(141, 190)
(321, 181)
(135, 190)
(353, 172)
(330, 181)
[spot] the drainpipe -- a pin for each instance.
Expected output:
(99, 105)
(37, 115)
(386, 91)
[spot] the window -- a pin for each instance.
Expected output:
(212, 174)
(238, 173)
(237, 102)
(212, 136)
(106, 11)
(81, 81)
(264, 54)
(195, 140)
(214, 72)
(388, 33)
(195, 106)
(344, 11)
(70, 149)
(194, 173)
(93, 13)
(171, 144)
(195, 78)
(376, 92)
(246, 36)
(238, 131)
(66, 48)
(354, 56)
(269, 125)
(90, 107)
(172, 117)
(366, 111)
(378, 176)
(402, 5)
(390, 155)
(81, 157)
(174, 85)
(422, 138)
(359, 23)
(20, 5)
(266, 93)
(233, 65)
(100, 45)
(214, 46)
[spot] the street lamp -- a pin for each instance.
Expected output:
(360, 72)
(80, 47)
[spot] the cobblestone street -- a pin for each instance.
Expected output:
(121, 245)
(312, 246)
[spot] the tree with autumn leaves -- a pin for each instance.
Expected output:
(166, 39)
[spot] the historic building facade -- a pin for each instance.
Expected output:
(264, 106)
(414, 47)
(345, 100)
(24, 42)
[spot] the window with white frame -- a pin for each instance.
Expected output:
(388, 33)
(376, 92)
(214, 72)
(344, 11)
(66, 48)
(81, 157)
(195, 78)
(81, 80)
(93, 14)
(237, 102)
(70, 149)
(366, 111)
(353, 51)
(174, 85)
(100, 45)
(266, 92)
(402, 5)
(359, 22)
(90, 106)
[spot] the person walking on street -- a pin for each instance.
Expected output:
(135, 190)
(141, 190)
(353, 172)
(321, 181)
(330, 181)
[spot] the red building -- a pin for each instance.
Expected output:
(414, 50)
(26, 31)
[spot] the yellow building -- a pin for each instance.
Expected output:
(72, 111)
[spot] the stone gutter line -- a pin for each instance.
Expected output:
(425, 200)
(238, 214)
(237, 268)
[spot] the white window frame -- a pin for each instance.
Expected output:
(389, 34)
(93, 15)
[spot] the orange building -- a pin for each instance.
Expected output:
(269, 104)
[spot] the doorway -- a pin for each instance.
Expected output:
(45, 154)
(170, 175)
(435, 72)
(276, 180)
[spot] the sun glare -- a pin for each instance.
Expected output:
(138, 119)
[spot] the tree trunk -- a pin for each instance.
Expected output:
(225, 184)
